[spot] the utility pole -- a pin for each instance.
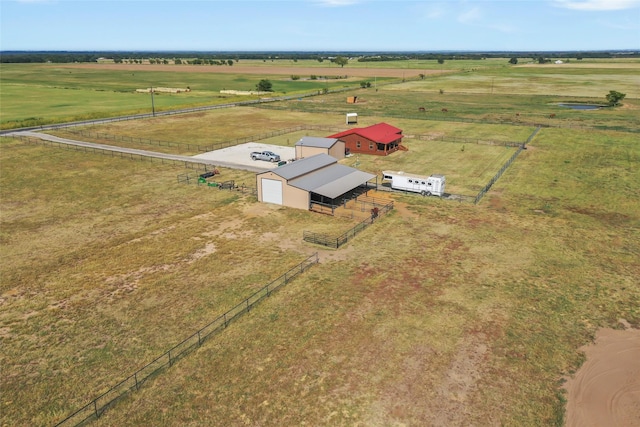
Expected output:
(153, 108)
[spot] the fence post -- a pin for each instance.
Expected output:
(95, 407)
(136, 378)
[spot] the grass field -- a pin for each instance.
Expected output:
(441, 313)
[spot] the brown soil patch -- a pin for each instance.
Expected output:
(239, 69)
(606, 389)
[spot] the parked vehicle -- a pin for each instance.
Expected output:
(425, 185)
(268, 156)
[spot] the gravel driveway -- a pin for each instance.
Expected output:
(239, 156)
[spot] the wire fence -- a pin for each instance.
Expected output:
(100, 404)
(504, 167)
(445, 138)
(201, 148)
(191, 164)
(377, 210)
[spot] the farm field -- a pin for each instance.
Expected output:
(440, 313)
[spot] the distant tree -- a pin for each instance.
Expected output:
(365, 84)
(421, 76)
(264, 85)
(178, 61)
(320, 59)
(230, 62)
(540, 59)
(165, 61)
(341, 61)
(513, 60)
(614, 98)
(579, 58)
(440, 61)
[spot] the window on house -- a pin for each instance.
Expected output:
(371, 146)
(357, 144)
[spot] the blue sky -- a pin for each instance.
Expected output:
(310, 25)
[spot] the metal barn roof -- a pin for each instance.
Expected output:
(304, 166)
(312, 141)
(332, 181)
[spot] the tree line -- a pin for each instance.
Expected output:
(220, 58)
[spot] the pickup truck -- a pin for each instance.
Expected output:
(265, 155)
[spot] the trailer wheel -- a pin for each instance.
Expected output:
(428, 193)
(424, 193)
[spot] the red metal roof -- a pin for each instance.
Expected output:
(381, 132)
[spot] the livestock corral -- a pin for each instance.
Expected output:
(436, 313)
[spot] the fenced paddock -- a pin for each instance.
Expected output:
(104, 401)
(184, 147)
(504, 167)
(374, 208)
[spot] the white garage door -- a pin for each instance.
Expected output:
(272, 191)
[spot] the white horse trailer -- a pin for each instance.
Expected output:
(425, 185)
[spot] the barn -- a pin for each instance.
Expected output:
(310, 146)
(317, 179)
(380, 139)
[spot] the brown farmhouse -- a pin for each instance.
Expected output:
(380, 139)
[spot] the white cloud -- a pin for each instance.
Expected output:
(435, 11)
(597, 5)
(470, 15)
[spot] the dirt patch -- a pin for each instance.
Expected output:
(273, 70)
(606, 389)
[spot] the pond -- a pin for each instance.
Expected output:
(581, 106)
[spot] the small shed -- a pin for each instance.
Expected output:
(352, 99)
(352, 118)
(310, 146)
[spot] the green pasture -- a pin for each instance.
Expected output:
(548, 79)
(397, 102)
(34, 94)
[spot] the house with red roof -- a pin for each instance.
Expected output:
(380, 139)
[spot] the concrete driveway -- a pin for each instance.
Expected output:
(239, 156)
